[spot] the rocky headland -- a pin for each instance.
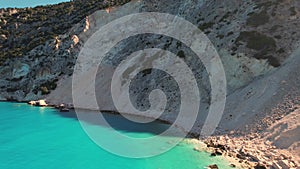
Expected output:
(258, 42)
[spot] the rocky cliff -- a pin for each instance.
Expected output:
(252, 54)
(40, 45)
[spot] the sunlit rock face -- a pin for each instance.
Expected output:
(231, 27)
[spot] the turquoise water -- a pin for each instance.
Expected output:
(35, 138)
(27, 3)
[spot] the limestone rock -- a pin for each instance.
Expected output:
(20, 70)
(284, 164)
(75, 39)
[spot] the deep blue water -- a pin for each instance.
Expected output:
(35, 138)
(27, 3)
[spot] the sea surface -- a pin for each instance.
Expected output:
(37, 137)
(28, 3)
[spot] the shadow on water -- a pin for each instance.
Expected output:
(117, 122)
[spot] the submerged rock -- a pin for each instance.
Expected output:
(20, 70)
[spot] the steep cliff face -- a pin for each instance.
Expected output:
(23, 29)
(40, 45)
(246, 35)
(252, 38)
(35, 74)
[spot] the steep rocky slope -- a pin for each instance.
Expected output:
(38, 46)
(264, 122)
(26, 28)
(252, 38)
(250, 92)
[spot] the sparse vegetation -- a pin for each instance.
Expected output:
(220, 36)
(261, 43)
(261, 4)
(206, 25)
(277, 36)
(181, 54)
(281, 50)
(229, 33)
(44, 90)
(225, 17)
(275, 28)
(257, 41)
(257, 19)
(293, 11)
(26, 28)
(49, 85)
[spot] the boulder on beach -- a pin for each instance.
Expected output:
(32, 103)
(213, 166)
(41, 103)
(63, 107)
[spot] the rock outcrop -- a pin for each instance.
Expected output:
(39, 46)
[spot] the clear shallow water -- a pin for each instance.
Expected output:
(27, 3)
(35, 138)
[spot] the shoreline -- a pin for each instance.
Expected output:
(244, 150)
(239, 149)
(191, 138)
